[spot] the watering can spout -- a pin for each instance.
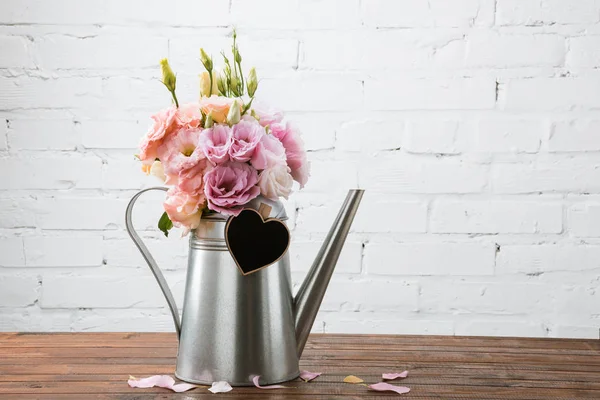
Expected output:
(311, 292)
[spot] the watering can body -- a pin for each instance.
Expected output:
(233, 326)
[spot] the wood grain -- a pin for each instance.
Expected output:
(97, 365)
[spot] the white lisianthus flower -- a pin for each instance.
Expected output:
(157, 170)
(275, 181)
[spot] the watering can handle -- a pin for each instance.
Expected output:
(164, 286)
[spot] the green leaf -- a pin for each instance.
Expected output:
(165, 223)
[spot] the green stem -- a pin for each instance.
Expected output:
(211, 83)
(175, 99)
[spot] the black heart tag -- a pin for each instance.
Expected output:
(254, 241)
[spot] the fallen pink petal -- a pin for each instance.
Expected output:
(383, 387)
(163, 381)
(308, 376)
(255, 381)
(395, 375)
(220, 387)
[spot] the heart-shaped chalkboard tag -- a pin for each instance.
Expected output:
(255, 241)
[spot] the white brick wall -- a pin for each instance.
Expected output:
(474, 125)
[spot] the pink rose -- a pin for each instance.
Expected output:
(184, 209)
(245, 136)
(215, 143)
(163, 122)
(229, 186)
(267, 115)
(268, 153)
(180, 151)
(294, 150)
(218, 106)
(275, 182)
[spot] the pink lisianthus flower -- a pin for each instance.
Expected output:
(179, 152)
(269, 152)
(294, 151)
(163, 123)
(275, 181)
(184, 209)
(215, 143)
(229, 186)
(192, 180)
(245, 136)
(189, 115)
(267, 115)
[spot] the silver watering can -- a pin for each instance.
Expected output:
(234, 327)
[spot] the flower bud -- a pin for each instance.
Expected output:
(209, 121)
(252, 83)
(205, 84)
(234, 114)
(157, 170)
(168, 77)
(206, 60)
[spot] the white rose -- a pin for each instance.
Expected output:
(275, 182)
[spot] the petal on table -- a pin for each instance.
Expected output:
(220, 387)
(382, 387)
(308, 376)
(352, 379)
(395, 375)
(255, 381)
(163, 381)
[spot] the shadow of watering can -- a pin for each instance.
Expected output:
(234, 327)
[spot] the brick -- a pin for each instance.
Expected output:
(509, 136)
(3, 136)
(26, 92)
(432, 136)
(569, 175)
(415, 13)
(18, 291)
(16, 52)
(553, 94)
(295, 14)
(126, 174)
(112, 134)
(462, 259)
(536, 259)
(99, 12)
(327, 176)
(584, 219)
(577, 332)
(318, 131)
(43, 134)
(50, 251)
(100, 52)
(577, 303)
(491, 327)
(390, 213)
(51, 173)
(371, 295)
(11, 252)
(106, 291)
(370, 135)
(369, 323)
(16, 213)
(125, 93)
(546, 12)
(482, 297)
(344, 93)
(451, 216)
(575, 135)
(510, 51)
(33, 319)
(401, 174)
(170, 253)
(430, 94)
(303, 253)
(584, 52)
(80, 213)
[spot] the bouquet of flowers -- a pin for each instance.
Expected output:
(221, 152)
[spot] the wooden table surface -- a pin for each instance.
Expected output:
(97, 365)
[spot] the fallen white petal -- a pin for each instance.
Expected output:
(308, 376)
(220, 387)
(163, 381)
(382, 387)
